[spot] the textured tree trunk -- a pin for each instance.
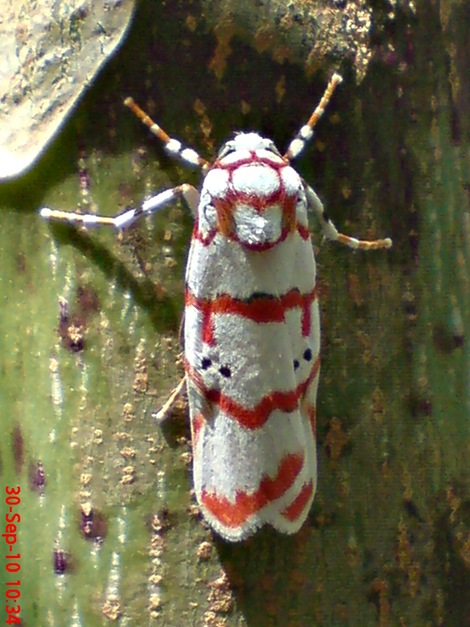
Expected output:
(89, 327)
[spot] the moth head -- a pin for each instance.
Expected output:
(247, 142)
(250, 193)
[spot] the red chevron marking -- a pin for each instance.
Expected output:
(293, 511)
(257, 416)
(233, 514)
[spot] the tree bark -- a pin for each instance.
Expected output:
(90, 330)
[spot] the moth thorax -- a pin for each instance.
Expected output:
(254, 196)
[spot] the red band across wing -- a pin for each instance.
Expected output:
(312, 413)
(233, 514)
(255, 417)
(293, 511)
(197, 422)
(259, 309)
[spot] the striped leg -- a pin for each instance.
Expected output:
(162, 414)
(173, 146)
(123, 220)
(330, 231)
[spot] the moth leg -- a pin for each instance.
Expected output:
(330, 231)
(173, 146)
(162, 414)
(125, 219)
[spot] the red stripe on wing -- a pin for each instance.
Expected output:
(233, 514)
(295, 509)
(255, 417)
(259, 309)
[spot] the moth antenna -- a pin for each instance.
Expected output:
(305, 134)
(173, 146)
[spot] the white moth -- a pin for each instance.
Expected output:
(251, 327)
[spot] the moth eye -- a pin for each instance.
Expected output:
(225, 371)
(272, 148)
(206, 363)
(226, 150)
